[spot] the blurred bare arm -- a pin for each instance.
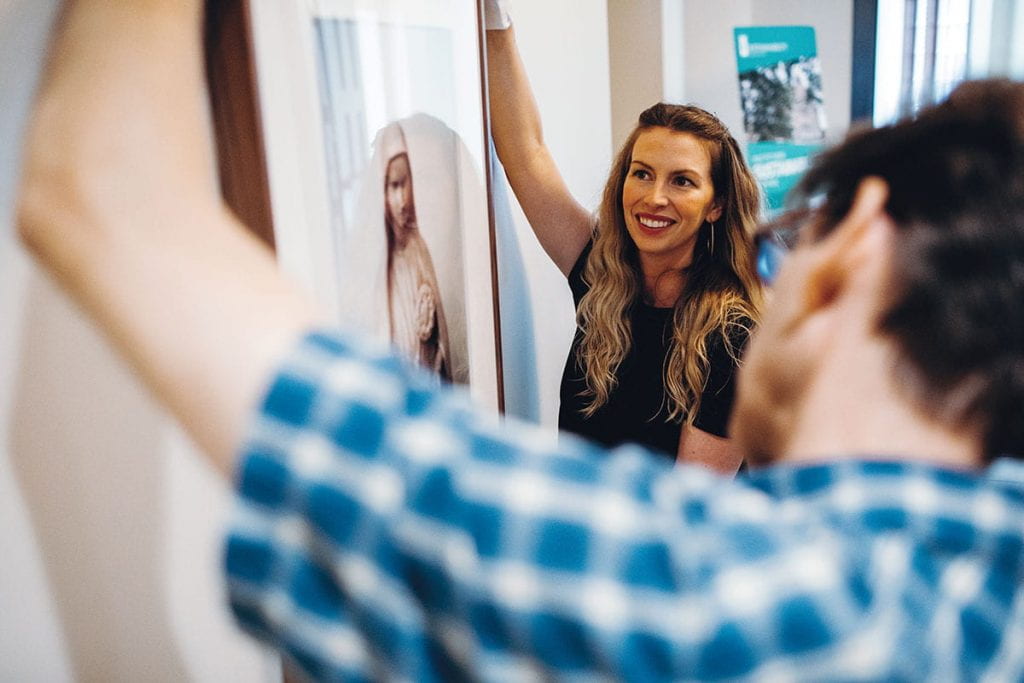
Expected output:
(697, 447)
(119, 202)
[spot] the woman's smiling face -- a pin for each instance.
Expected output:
(667, 197)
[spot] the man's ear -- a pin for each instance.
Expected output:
(854, 251)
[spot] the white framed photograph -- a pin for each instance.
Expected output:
(375, 140)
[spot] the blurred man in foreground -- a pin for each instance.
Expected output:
(386, 529)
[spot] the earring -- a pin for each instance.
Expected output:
(711, 238)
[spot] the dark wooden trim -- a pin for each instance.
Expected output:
(865, 29)
(485, 103)
(235, 106)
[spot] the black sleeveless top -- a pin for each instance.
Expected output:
(637, 409)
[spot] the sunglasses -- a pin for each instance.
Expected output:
(775, 239)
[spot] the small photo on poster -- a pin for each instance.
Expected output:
(780, 85)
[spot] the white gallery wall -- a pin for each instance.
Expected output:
(709, 58)
(638, 42)
(682, 51)
(564, 45)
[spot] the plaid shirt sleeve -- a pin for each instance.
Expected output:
(387, 530)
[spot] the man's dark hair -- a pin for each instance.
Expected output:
(956, 180)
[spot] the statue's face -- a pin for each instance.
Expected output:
(398, 197)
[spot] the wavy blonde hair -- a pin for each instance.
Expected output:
(722, 291)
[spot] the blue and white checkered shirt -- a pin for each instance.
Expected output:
(387, 530)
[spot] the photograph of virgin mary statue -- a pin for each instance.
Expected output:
(415, 309)
(401, 268)
(408, 212)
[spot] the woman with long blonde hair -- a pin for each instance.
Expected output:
(664, 280)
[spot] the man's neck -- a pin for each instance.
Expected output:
(855, 409)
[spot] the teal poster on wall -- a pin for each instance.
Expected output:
(783, 108)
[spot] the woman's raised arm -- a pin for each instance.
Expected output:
(561, 224)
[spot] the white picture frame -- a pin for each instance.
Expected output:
(340, 84)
